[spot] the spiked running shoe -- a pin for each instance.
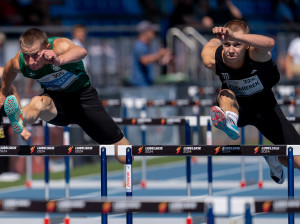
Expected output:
(14, 113)
(221, 121)
(276, 170)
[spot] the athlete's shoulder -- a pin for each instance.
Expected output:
(208, 53)
(61, 45)
(15, 61)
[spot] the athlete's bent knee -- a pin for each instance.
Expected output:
(42, 102)
(226, 95)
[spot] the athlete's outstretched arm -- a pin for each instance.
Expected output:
(260, 45)
(208, 53)
(9, 74)
(64, 52)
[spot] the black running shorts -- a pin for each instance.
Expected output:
(272, 123)
(85, 109)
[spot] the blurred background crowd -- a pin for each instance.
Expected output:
(108, 31)
(148, 48)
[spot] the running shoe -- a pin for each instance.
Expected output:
(14, 113)
(276, 170)
(221, 121)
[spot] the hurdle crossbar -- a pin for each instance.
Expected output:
(117, 205)
(149, 150)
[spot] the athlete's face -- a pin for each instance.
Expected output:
(234, 51)
(32, 56)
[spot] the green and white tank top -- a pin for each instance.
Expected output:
(67, 78)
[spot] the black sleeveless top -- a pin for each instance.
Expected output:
(252, 83)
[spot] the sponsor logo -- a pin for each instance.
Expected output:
(190, 149)
(151, 149)
(217, 150)
(128, 178)
(162, 207)
(230, 149)
(140, 150)
(32, 149)
(268, 149)
(253, 71)
(69, 205)
(266, 206)
(55, 68)
(173, 103)
(285, 205)
(31, 74)
(133, 121)
(181, 206)
(14, 204)
(256, 150)
(225, 76)
(163, 121)
(106, 207)
(126, 206)
(70, 149)
(50, 206)
(178, 150)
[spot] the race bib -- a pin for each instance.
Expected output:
(58, 80)
(245, 87)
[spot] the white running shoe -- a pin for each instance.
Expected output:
(221, 121)
(276, 170)
(14, 113)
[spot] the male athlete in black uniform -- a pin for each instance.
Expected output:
(243, 62)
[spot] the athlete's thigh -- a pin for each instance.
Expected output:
(274, 126)
(99, 125)
(61, 118)
(95, 120)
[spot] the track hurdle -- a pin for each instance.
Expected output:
(170, 205)
(170, 121)
(161, 150)
(217, 150)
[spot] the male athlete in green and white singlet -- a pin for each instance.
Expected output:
(68, 97)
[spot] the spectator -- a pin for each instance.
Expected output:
(224, 11)
(143, 58)
(2, 40)
(187, 12)
(79, 34)
(292, 60)
(284, 11)
(9, 13)
(151, 10)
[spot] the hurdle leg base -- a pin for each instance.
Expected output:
(195, 159)
(260, 184)
(28, 184)
(243, 184)
(189, 220)
(67, 220)
(46, 220)
(143, 184)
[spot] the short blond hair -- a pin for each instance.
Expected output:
(33, 35)
(236, 25)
